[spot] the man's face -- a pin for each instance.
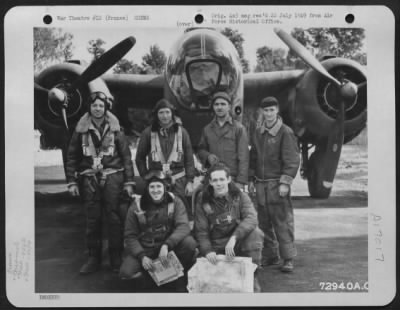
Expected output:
(270, 113)
(156, 191)
(221, 107)
(97, 109)
(164, 116)
(219, 181)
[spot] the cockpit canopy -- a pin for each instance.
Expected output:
(202, 62)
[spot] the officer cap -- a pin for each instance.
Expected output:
(269, 102)
(221, 94)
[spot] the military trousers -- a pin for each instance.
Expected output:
(103, 202)
(184, 250)
(250, 246)
(275, 217)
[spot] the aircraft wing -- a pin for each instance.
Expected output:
(263, 84)
(135, 90)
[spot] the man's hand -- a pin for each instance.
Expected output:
(212, 257)
(212, 159)
(163, 255)
(73, 190)
(147, 263)
(283, 189)
(252, 188)
(229, 248)
(129, 190)
(189, 189)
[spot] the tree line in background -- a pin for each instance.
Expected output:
(52, 45)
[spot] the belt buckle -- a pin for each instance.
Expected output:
(166, 169)
(97, 163)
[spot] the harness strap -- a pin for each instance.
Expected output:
(106, 172)
(177, 176)
(140, 213)
(227, 216)
(178, 137)
(99, 176)
(171, 206)
(97, 154)
(177, 150)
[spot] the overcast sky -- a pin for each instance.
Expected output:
(164, 38)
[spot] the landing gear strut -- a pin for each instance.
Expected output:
(312, 169)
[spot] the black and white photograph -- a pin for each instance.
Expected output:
(210, 152)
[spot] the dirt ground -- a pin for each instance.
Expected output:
(331, 235)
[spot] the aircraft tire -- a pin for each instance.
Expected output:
(314, 178)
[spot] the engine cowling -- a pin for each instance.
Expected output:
(317, 100)
(48, 114)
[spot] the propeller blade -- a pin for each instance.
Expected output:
(105, 62)
(304, 54)
(333, 149)
(361, 85)
(64, 116)
(40, 88)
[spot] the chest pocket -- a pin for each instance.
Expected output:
(228, 142)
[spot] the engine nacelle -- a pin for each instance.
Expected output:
(317, 101)
(47, 114)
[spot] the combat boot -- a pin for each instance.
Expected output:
(93, 263)
(288, 265)
(115, 259)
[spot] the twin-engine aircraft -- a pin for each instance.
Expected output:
(325, 105)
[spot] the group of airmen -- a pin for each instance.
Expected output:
(99, 169)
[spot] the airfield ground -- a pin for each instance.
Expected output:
(331, 235)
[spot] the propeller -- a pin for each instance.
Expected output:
(59, 97)
(304, 54)
(348, 93)
(41, 89)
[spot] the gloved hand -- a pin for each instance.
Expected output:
(283, 189)
(252, 188)
(73, 190)
(163, 255)
(212, 159)
(212, 257)
(189, 189)
(129, 190)
(147, 263)
(229, 248)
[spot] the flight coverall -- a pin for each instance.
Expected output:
(274, 159)
(100, 183)
(230, 144)
(145, 233)
(181, 166)
(217, 219)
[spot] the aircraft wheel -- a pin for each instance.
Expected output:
(314, 179)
